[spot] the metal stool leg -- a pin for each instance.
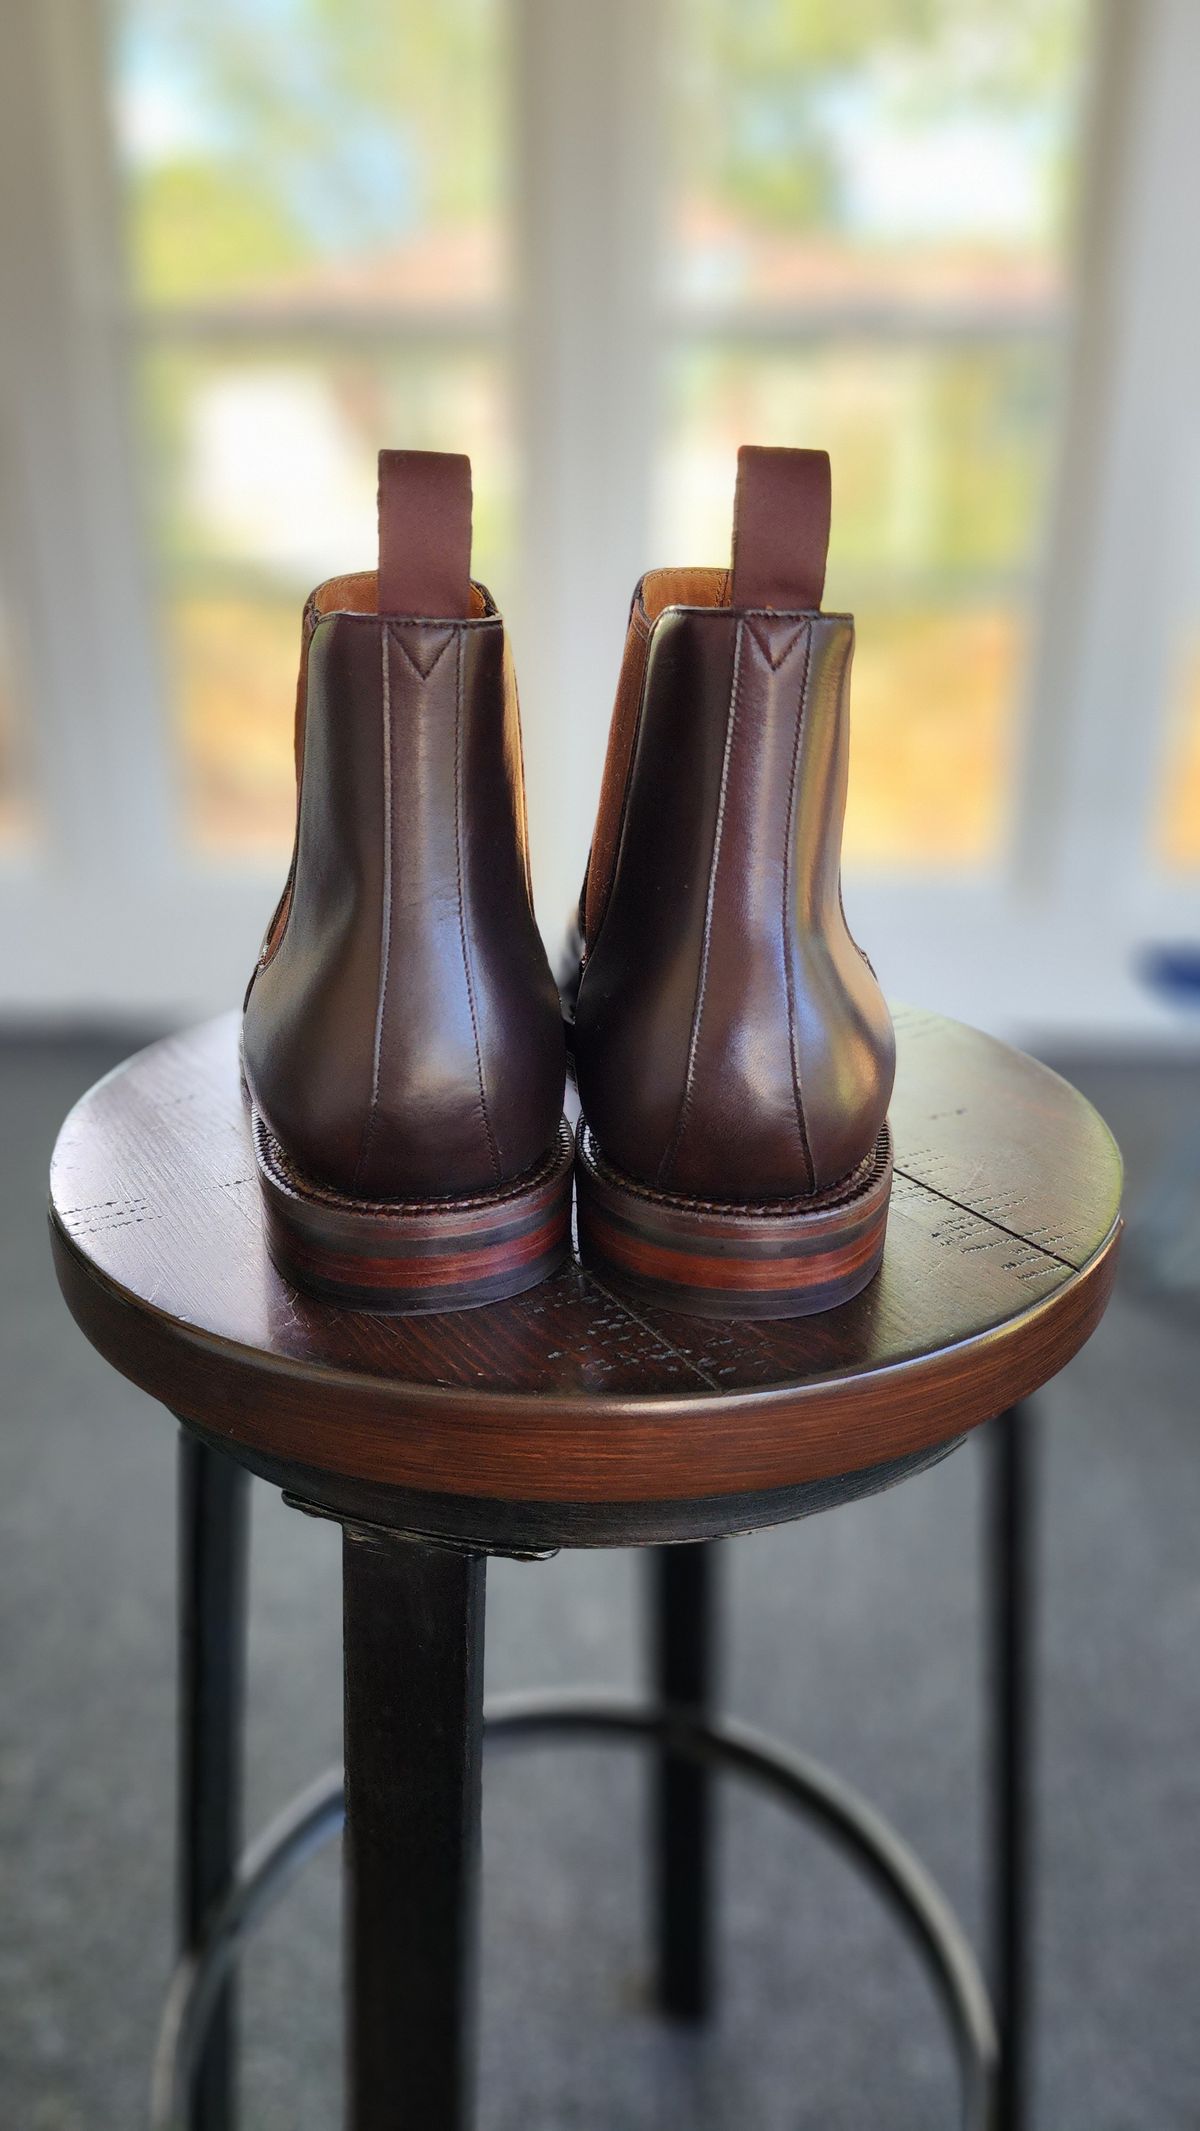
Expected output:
(683, 1625)
(414, 1625)
(1012, 1603)
(213, 1531)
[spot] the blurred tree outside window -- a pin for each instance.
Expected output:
(316, 239)
(869, 211)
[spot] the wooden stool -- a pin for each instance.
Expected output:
(564, 1418)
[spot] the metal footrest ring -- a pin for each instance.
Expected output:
(270, 1864)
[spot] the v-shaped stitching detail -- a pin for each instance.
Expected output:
(394, 628)
(775, 663)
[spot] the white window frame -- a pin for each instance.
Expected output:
(110, 913)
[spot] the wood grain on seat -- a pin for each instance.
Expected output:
(568, 1415)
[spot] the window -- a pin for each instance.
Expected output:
(867, 248)
(317, 258)
(599, 247)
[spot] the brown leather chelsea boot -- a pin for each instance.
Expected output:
(402, 1046)
(733, 1050)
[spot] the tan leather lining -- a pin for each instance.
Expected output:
(358, 593)
(660, 589)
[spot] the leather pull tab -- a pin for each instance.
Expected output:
(425, 534)
(780, 528)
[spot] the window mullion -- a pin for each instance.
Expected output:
(587, 121)
(1111, 587)
(104, 766)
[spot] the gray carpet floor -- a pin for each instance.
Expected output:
(855, 1635)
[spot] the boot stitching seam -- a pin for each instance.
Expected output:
(462, 922)
(665, 1166)
(789, 971)
(385, 929)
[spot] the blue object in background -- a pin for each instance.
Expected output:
(1162, 1253)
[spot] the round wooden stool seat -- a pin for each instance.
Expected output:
(564, 1417)
(570, 1416)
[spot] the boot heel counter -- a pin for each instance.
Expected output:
(517, 1019)
(732, 1042)
(771, 1095)
(309, 1018)
(375, 1035)
(638, 987)
(684, 1055)
(842, 1032)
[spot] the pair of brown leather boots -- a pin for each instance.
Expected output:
(404, 1045)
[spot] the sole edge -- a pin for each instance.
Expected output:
(777, 1259)
(413, 1257)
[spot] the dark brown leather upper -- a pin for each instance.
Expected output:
(731, 1041)
(402, 1035)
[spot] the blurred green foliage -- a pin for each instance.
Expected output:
(758, 85)
(261, 136)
